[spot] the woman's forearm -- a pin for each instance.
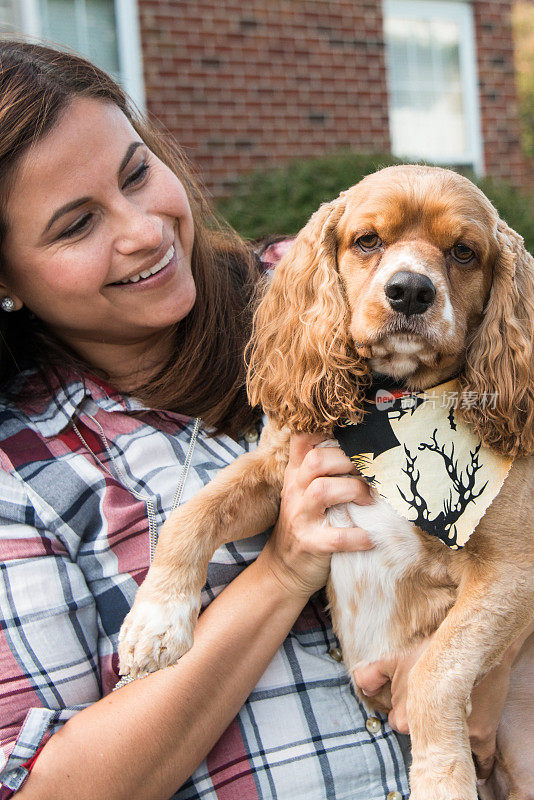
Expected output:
(143, 741)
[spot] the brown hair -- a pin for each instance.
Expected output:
(205, 375)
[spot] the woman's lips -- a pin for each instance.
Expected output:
(152, 280)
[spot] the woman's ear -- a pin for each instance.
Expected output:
(500, 369)
(303, 368)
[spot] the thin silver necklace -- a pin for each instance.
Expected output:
(149, 503)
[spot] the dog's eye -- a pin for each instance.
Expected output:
(369, 241)
(462, 253)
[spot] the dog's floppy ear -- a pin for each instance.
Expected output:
(303, 367)
(500, 366)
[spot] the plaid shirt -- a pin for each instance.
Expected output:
(74, 545)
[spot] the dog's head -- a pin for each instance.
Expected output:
(410, 274)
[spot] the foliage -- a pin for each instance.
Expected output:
(523, 22)
(284, 198)
(516, 208)
(281, 200)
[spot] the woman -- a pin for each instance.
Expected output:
(124, 313)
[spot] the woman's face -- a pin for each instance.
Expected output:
(99, 234)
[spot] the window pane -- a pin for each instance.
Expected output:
(9, 21)
(87, 26)
(102, 34)
(426, 103)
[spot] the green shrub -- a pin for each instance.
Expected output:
(515, 208)
(281, 200)
(523, 27)
(284, 198)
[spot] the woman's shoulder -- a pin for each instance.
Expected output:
(19, 442)
(32, 410)
(15, 413)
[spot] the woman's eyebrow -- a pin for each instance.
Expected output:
(64, 210)
(76, 203)
(129, 153)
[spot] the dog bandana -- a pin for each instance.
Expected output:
(424, 461)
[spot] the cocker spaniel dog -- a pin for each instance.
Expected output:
(401, 324)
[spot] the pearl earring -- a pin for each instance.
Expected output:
(7, 304)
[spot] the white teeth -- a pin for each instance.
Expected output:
(156, 268)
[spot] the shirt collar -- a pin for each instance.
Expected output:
(55, 412)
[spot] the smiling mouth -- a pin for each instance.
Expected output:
(142, 276)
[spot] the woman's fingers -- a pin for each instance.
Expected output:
(323, 493)
(313, 462)
(343, 540)
(373, 677)
(488, 699)
(485, 761)
(398, 720)
(319, 476)
(300, 444)
(324, 461)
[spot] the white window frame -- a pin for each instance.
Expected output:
(128, 43)
(461, 12)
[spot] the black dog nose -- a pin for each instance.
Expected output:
(410, 292)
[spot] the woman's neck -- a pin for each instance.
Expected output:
(128, 365)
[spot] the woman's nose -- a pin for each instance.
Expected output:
(138, 229)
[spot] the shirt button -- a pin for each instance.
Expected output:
(374, 725)
(251, 435)
(336, 654)
(394, 796)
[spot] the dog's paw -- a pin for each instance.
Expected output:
(443, 779)
(155, 635)
(443, 791)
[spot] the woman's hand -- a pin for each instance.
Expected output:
(487, 699)
(373, 677)
(301, 545)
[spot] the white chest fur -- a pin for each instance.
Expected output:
(365, 583)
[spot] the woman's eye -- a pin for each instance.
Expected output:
(137, 175)
(369, 241)
(79, 227)
(462, 253)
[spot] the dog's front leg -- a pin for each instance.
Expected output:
(492, 607)
(241, 501)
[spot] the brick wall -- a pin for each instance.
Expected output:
(498, 95)
(247, 84)
(244, 85)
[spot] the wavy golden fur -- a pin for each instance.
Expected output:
(305, 369)
(501, 354)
